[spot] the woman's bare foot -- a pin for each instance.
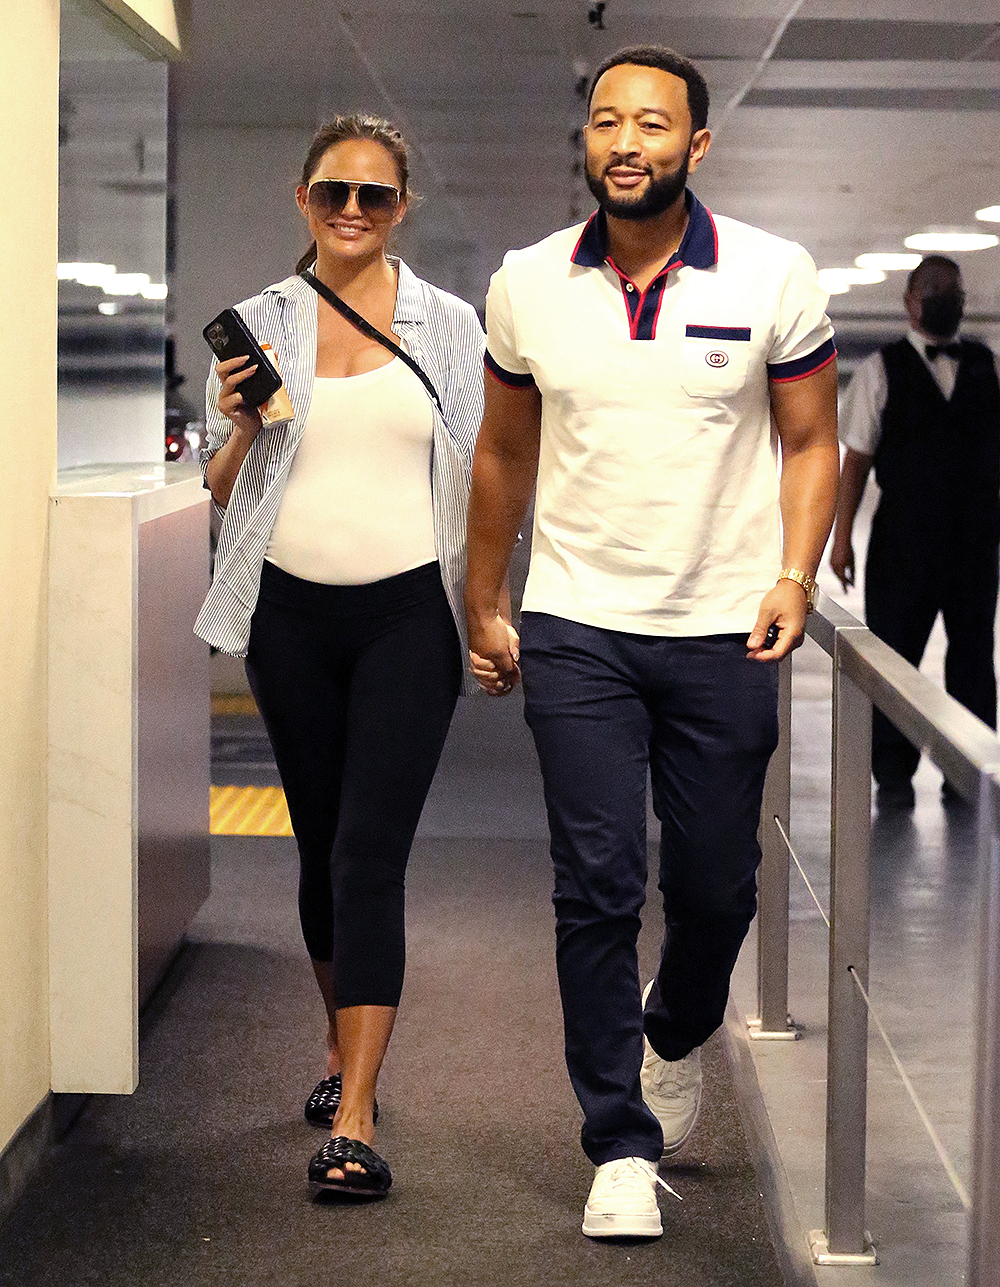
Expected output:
(352, 1126)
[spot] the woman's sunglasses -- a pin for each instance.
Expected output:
(328, 197)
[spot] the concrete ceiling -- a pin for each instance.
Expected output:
(843, 124)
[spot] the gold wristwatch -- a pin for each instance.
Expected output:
(803, 579)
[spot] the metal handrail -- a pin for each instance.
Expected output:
(868, 672)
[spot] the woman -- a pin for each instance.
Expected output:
(339, 575)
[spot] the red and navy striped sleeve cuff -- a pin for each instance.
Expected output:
(511, 379)
(799, 368)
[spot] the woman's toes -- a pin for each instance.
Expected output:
(335, 1173)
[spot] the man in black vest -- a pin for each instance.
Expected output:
(926, 412)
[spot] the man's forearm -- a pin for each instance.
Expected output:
(809, 479)
(501, 492)
(852, 487)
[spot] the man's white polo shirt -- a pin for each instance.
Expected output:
(656, 509)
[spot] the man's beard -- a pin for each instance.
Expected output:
(659, 196)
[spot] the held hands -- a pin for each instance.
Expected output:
(784, 607)
(232, 373)
(493, 655)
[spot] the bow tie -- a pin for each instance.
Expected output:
(952, 350)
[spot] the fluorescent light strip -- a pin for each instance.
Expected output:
(887, 261)
(953, 241)
(851, 276)
(111, 281)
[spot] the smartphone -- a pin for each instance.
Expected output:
(229, 337)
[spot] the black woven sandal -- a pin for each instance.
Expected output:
(373, 1182)
(322, 1104)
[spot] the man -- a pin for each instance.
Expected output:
(926, 411)
(636, 362)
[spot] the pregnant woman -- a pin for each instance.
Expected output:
(338, 576)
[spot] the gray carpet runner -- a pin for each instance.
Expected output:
(199, 1179)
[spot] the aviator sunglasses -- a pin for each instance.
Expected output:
(328, 197)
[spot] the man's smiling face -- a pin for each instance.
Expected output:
(640, 146)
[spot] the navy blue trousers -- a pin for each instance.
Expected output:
(604, 707)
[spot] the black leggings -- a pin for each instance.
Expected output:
(357, 685)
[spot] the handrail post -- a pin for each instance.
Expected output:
(772, 1022)
(984, 1234)
(845, 1240)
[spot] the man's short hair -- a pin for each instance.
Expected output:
(667, 60)
(931, 261)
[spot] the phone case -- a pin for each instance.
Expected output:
(229, 337)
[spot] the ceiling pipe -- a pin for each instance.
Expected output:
(759, 70)
(983, 46)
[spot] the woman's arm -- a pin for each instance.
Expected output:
(225, 464)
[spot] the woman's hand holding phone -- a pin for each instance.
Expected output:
(232, 373)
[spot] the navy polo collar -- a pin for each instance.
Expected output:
(699, 247)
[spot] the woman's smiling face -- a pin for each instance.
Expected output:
(351, 232)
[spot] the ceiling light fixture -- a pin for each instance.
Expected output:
(953, 241)
(989, 214)
(851, 276)
(125, 284)
(832, 281)
(887, 261)
(86, 274)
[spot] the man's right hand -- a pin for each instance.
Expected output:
(493, 654)
(842, 562)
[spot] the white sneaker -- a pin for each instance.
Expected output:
(622, 1201)
(671, 1089)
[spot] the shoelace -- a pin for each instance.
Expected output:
(626, 1176)
(674, 1077)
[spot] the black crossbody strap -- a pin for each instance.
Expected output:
(372, 332)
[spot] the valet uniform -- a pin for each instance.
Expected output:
(935, 536)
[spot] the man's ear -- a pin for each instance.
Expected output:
(701, 141)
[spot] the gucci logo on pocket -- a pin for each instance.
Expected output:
(717, 358)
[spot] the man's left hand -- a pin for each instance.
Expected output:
(785, 607)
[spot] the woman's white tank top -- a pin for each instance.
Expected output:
(357, 504)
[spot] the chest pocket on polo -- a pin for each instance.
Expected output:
(714, 360)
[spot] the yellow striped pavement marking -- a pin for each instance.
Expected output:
(249, 811)
(233, 704)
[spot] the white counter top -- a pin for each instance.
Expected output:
(154, 489)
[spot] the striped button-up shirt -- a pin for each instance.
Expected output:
(443, 334)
